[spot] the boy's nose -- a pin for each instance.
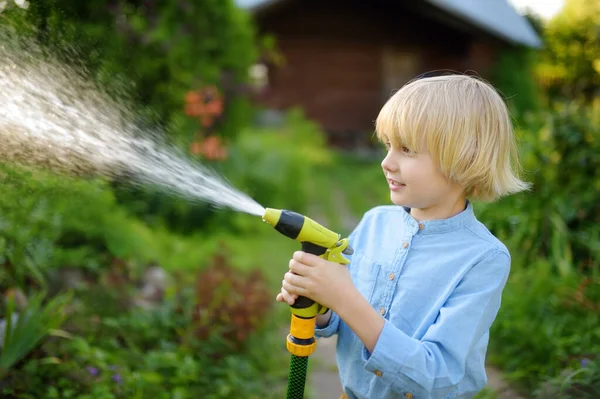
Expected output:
(388, 165)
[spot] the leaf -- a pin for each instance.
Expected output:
(33, 324)
(60, 333)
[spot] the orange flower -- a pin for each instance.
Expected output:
(210, 148)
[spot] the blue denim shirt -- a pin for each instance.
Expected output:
(438, 284)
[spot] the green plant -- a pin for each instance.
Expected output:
(580, 383)
(185, 345)
(23, 332)
(152, 53)
(149, 56)
(559, 217)
(229, 303)
(276, 165)
(486, 394)
(570, 61)
(546, 324)
(513, 75)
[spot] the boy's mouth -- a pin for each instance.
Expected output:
(395, 184)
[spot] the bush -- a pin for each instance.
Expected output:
(546, 324)
(150, 57)
(580, 383)
(513, 75)
(276, 165)
(560, 216)
(118, 349)
(160, 51)
(569, 63)
(50, 223)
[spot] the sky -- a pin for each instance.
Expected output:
(545, 8)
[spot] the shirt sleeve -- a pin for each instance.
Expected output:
(330, 329)
(434, 365)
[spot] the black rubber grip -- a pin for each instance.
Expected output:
(303, 302)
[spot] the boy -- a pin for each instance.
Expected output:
(413, 309)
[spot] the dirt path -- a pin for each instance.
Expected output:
(323, 379)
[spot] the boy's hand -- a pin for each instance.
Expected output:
(285, 296)
(322, 281)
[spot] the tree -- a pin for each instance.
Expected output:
(570, 64)
(153, 51)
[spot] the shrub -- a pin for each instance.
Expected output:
(546, 324)
(164, 351)
(580, 383)
(229, 303)
(50, 222)
(559, 217)
(157, 50)
(154, 55)
(276, 165)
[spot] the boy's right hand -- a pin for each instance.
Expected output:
(285, 296)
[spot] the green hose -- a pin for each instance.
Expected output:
(297, 377)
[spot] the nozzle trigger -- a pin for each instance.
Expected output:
(335, 254)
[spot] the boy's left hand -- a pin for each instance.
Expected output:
(322, 281)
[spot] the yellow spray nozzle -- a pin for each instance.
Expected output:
(272, 216)
(300, 228)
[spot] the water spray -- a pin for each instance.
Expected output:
(52, 117)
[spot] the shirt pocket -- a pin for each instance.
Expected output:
(364, 274)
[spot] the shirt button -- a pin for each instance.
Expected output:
(405, 245)
(408, 395)
(421, 226)
(382, 310)
(378, 373)
(392, 276)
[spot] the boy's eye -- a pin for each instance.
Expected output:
(388, 145)
(407, 150)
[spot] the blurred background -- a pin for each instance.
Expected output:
(130, 293)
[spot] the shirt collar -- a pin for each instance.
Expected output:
(455, 222)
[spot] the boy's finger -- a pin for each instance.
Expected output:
(294, 289)
(299, 268)
(289, 299)
(306, 258)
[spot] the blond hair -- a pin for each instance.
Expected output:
(465, 126)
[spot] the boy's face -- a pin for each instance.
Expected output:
(415, 181)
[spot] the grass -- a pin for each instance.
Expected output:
(486, 393)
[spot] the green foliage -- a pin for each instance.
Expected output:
(23, 331)
(581, 383)
(169, 349)
(153, 52)
(35, 209)
(570, 65)
(558, 218)
(276, 165)
(486, 394)
(546, 324)
(49, 221)
(512, 74)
